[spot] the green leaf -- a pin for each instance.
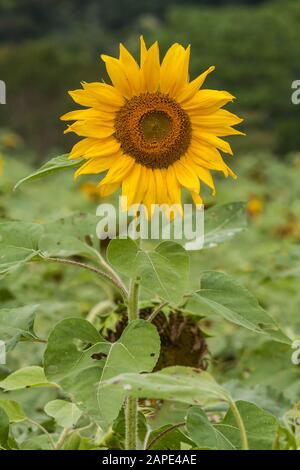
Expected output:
(4, 429)
(28, 377)
(64, 246)
(223, 223)
(180, 384)
(13, 410)
(52, 166)
(261, 426)
(40, 442)
(168, 441)
(17, 324)
(203, 433)
(79, 359)
(270, 365)
(22, 242)
(163, 271)
(222, 295)
(69, 236)
(80, 225)
(66, 414)
(266, 397)
(18, 244)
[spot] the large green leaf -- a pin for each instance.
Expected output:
(17, 324)
(13, 410)
(64, 246)
(72, 235)
(223, 223)
(22, 242)
(165, 439)
(203, 433)
(222, 295)
(78, 359)
(180, 384)
(52, 166)
(65, 413)
(163, 271)
(27, 377)
(18, 244)
(260, 425)
(81, 225)
(39, 442)
(270, 365)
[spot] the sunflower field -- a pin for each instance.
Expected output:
(140, 342)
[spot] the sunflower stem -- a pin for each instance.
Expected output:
(131, 406)
(241, 426)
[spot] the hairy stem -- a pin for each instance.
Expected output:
(131, 420)
(133, 300)
(163, 433)
(44, 430)
(241, 426)
(156, 311)
(104, 275)
(110, 270)
(131, 413)
(65, 433)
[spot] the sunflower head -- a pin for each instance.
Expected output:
(152, 130)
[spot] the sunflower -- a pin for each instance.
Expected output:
(152, 130)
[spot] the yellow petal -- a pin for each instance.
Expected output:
(143, 50)
(174, 70)
(150, 195)
(174, 190)
(191, 89)
(107, 189)
(218, 119)
(205, 176)
(116, 72)
(150, 70)
(106, 96)
(83, 114)
(219, 165)
(186, 177)
(83, 97)
(161, 186)
(205, 152)
(196, 198)
(95, 129)
(103, 148)
(119, 170)
(81, 147)
(95, 166)
(134, 185)
(211, 139)
(131, 69)
(207, 102)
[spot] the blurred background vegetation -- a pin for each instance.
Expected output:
(47, 48)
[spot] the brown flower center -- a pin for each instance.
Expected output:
(153, 129)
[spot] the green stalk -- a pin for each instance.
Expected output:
(241, 426)
(131, 413)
